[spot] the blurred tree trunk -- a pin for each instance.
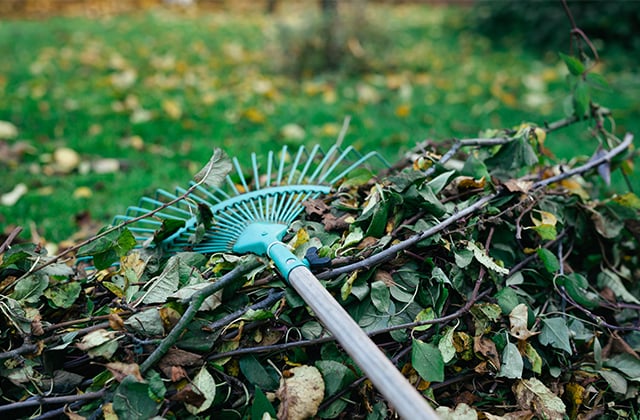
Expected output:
(271, 6)
(330, 33)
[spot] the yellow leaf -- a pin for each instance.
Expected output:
(546, 218)
(302, 236)
(172, 108)
(254, 115)
(403, 111)
(82, 192)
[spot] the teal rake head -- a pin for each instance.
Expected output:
(246, 209)
(252, 215)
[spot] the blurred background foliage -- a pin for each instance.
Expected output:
(108, 100)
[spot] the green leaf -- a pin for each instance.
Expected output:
(555, 333)
(427, 360)
(616, 381)
(581, 98)
(598, 81)
(147, 323)
(516, 154)
(625, 364)
(257, 374)
(157, 390)
(445, 345)
(426, 314)
(549, 260)
(164, 285)
(507, 299)
(168, 228)
(534, 358)
(607, 278)
(512, 363)
(574, 65)
(483, 258)
(575, 284)
(31, 288)
(216, 170)
(63, 295)
(132, 401)
(107, 249)
(205, 385)
(261, 405)
(336, 376)
(438, 183)
(380, 296)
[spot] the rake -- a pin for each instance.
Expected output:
(253, 217)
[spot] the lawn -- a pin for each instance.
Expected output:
(141, 99)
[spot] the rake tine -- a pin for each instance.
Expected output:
(283, 157)
(310, 158)
(296, 162)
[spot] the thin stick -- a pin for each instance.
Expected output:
(391, 251)
(120, 226)
(39, 401)
(7, 243)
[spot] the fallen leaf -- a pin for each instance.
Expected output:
(518, 319)
(11, 198)
(82, 192)
(531, 394)
(301, 392)
(65, 160)
(8, 130)
(205, 386)
(121, 370)
(487, 348)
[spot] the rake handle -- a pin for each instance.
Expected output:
(404, 398)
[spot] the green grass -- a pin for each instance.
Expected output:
(214, 80)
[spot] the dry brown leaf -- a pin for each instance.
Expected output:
(301, 393)
(121, 370)
(487, 349)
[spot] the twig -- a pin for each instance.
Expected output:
(390, 252)
(607, 157)
(7, 243)
(195, 302)
(39, 401)
(120, 226)
(272, 298)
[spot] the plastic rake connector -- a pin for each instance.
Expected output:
(274, 197)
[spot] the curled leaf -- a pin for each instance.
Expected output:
(216, 170)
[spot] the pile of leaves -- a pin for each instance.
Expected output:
(491, 275)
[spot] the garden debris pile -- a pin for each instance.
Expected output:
(496, 279)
